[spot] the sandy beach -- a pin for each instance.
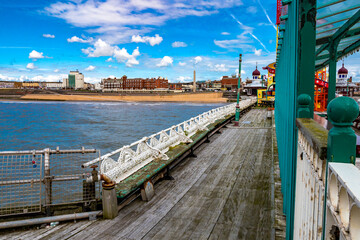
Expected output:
(181, 97)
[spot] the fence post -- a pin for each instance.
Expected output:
(342, 111)
(109, 200)
(304, 106)
(47, 177)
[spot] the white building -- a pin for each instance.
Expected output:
(75, 80)
(54, 85)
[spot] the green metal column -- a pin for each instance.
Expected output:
(237, 110)
(307, 44)
(332, 71)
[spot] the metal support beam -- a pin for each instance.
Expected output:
(332, 72)
(339, 34)
(340, 54)
(307, 43)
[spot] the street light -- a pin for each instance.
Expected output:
(237, 110)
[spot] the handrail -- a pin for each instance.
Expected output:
(138, 154)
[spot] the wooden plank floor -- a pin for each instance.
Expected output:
(224, 193)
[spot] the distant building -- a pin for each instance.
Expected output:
(125, 83)
(53, 85)
(175, 86)
(344, 85)
(256, 83)
(216, 84)
(229, 83)
(75, 80)
(98, 86)
(32, 85)
(7, 84)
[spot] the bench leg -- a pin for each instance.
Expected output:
(147, 191)
(167, 175)
(192, 154)
(207, 139)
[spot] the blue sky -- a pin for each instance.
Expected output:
(44, 40)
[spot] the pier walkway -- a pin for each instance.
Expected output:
(227, 192)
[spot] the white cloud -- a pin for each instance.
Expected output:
(124, 16)
(56, 70)
(91, 79)
(198, 59)
(35, 55)
(30, 66)
(165, 61)
(80, 40)
(243, 72)
(218, 67)
(267, 16)
(48, 78)
(90, 68)
(248, 30)
(122, 55)
(101, 49)
(182, 63)
(48, 36)
(109, 60)
(225, 33)
(7, 78)
(251, 9)
(183, 79)
(257, 52)
(156, 40)
(178, 44)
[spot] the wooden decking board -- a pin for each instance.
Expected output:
(224, 193)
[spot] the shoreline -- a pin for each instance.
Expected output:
(199, 97)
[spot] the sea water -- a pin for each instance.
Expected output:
(106, 126)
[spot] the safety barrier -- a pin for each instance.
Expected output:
(343, 202)
(310, 180)
(327, 197)
(123, 162)
(37, 180)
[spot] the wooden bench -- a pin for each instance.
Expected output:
(158, 169)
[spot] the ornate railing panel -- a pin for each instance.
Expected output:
(343, 201)
(123, 162)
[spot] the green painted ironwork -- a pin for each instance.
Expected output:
(304, 101)
(237, 109)
(342, 111)
(285, 111)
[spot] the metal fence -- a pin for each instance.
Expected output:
(34, 181)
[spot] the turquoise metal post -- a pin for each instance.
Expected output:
(341, 146)
(342, 112)
(237, 110)
(332, 71)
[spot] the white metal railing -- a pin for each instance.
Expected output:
(123, 162)
(310, 186)
(343, 201)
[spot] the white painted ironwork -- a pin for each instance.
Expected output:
(343, 202)
(310, 188)
(126, 160)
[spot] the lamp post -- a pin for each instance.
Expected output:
(237, 111)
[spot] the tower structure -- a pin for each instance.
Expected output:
(194, 83)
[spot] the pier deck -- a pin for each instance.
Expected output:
(225, 193)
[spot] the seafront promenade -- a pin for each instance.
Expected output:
(208, 97)
(226, 192)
